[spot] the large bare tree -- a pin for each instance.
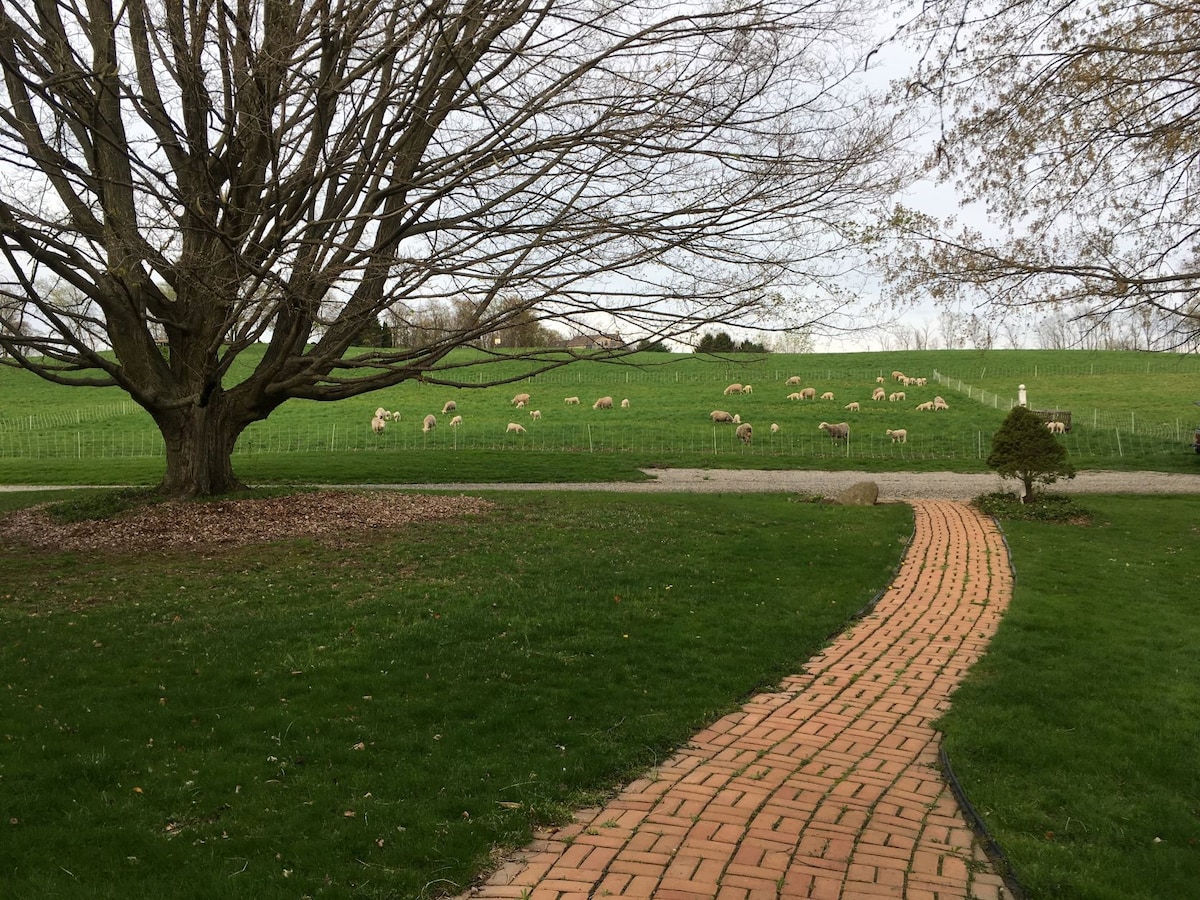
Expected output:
(198, 177)
(1077, 126)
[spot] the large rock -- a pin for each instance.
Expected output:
(865, 493)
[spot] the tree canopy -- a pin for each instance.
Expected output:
(1075, 126)
(184, 179)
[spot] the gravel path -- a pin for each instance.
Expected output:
(892, 485)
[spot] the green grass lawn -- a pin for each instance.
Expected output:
(1129, 411)
(1078, 734)
(373, 718)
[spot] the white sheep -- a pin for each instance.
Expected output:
(747, 389)
(535, 414)
(449, 407)
(795, 396)
(897, 395)
(396, 415)
(745, 432)
(1057, 427)
(625, 403)
(795, 379)
(520, 404)
(925, 407)
(898, 375)
(382, 413)
(840, 431)
(878, 394)
(520, 398)
(571, 401)
(921, 382)
(879, 379)
(734, 388)
(828, 395)
(456, 421)
(898, 435)
(939, 403)
(808, 394)
(853, 406)
(603, 403)
(737, 419)
(514, 428)
(719, 415)
(429, 424)
(774, 428)
(378, 424)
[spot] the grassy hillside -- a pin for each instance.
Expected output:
(1128, 410)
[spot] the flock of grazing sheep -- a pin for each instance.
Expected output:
(520, 401)
(839, 431)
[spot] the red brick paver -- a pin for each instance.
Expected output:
(827, 788)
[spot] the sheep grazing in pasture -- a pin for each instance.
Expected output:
(853, 406)
(747, 389)
(429, 424)
(920, 382)
(719, 415)
(456, 421)
(774, 428)
(450, 406)
(879, 379)
(795, 379)
(378, 424)
(519, 399)
(925, 407)
(898, 395)
(603, 403)
(795, 396)
(737, 419)
(899, 376)
(745, 432)
(828, 395)
(514, 428)
(808, 394)
(396, 416)
(734, 388)
(939, 403)
(839, 432)
(898, 435)
(571, 401)
(878, 394)
(382, 413)
(535, 414)
(625, 403)
(1057, 427)
(520, 404)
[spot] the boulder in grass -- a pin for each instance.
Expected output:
(864, 493)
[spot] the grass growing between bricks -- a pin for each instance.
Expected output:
(1076, 736)
(372, 718)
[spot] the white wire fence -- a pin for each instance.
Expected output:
(718, 441)
(1117, 423)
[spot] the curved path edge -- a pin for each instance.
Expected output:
(828, 787)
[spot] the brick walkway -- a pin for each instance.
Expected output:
(828, 788)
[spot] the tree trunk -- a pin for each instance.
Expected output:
(199, 442)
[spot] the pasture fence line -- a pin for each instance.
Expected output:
(1116, 421)
(700, 441)
(66, 417)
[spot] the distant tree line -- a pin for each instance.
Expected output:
(721, 342)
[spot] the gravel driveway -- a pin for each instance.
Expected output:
(892, 485)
